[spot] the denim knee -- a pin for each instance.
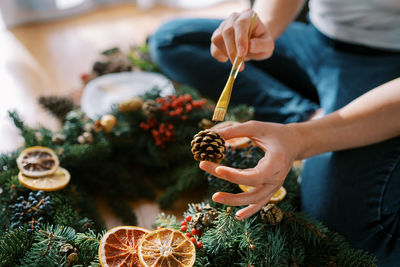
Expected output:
(181, 31)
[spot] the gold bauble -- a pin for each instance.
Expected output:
(108, 122)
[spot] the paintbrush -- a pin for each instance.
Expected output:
(223, 101)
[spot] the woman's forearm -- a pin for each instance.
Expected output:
(369, 119)
(277, 14)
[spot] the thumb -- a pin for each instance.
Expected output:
(246, 129)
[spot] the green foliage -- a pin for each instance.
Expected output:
(88, 245)
(47, 249)
(13, 246)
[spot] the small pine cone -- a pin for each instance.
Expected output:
(58, 106)
(130, 105)
(149, 108)
(271, 214)
(205, 124)
(208, 145)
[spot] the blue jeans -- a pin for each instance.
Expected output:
(354, 192)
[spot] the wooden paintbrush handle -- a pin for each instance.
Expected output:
(237, 64)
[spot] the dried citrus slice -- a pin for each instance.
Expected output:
(278, 196)
(166, 248)
(118, 247)
(238, 142)
(53, 182)
(37, 161)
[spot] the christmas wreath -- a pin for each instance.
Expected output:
(48, 216)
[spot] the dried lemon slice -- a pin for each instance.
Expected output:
(37, 161)
(166, 248)
(53, 182)
(118, 247)
(278, 196)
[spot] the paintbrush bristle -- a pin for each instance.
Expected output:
(219, 114)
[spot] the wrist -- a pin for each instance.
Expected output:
(301, 137)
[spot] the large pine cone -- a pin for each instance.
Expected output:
(271, 214)
(208, 145)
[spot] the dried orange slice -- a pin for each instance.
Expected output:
(37, 161)
(53, 182)
(238, 142)
(166, 248)
(278, 196)
(118, 247)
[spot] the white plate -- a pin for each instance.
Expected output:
(101, 92)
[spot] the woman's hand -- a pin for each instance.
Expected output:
(231, 37)
(281, 148)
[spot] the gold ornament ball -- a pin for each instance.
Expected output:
(131, 105)
(108, 122)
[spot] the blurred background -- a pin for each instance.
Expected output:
(46, 45)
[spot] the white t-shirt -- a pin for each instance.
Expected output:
(373, 23)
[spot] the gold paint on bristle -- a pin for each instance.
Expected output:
(223, 102)
(219, 114)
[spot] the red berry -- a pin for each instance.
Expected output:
(84, 76)
(194, 231)
(170, 126)
(188, 235)
(199, 244)
(159, 227)
(183, 228)
(172, 113)
(193, 239)
(183, 223)
(184, 117)
(188, 107)
(188, 218)
(188, 98)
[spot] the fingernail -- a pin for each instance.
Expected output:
(238, 217)
(218, 198)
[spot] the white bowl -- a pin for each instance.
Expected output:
(104, 91)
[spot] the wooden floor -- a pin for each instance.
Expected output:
(48, 58)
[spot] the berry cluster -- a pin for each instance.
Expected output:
(33, 210)
(161, 132)
(242, 158)
(179, 106)
(191, 233)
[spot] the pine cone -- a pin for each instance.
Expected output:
(149, 108)
(204, 218)
(208, 145)
(58, 106)
(271, 214)
(205, 124)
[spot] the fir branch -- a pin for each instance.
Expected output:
(13, 246)
(88, 245)
(169, 221)
(46, 249)
(27, 133)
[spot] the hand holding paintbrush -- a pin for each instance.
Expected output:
(223, 102)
